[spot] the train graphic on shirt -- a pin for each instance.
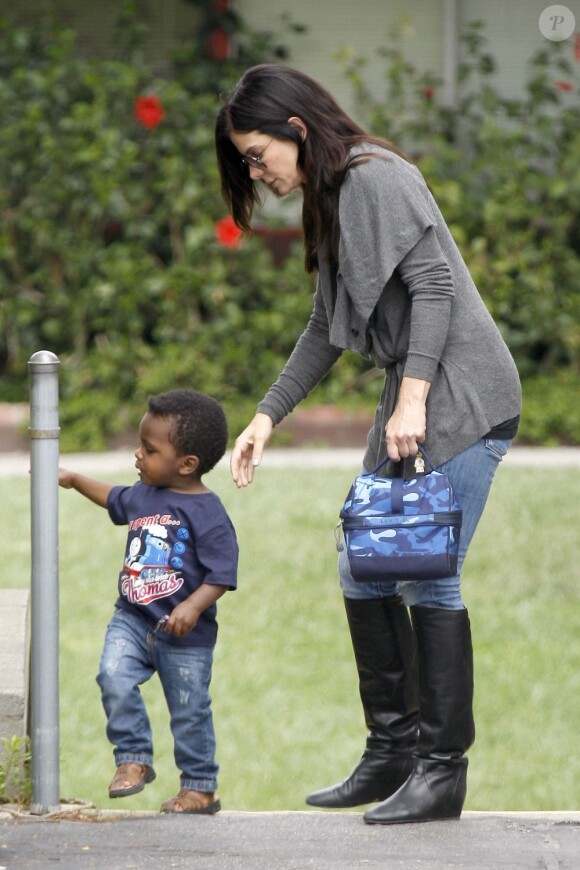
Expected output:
(152, 567)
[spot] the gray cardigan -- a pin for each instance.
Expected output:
(402, 294)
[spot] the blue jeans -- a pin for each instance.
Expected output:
(471, 474)
(132, 653)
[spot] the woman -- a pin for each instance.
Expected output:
(392, 285)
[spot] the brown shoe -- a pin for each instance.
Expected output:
(192, 802)
(130, 778)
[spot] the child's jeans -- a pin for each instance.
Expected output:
(132, 653)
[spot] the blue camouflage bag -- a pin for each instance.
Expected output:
(401, 529)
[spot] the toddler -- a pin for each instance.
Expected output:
(181, 556)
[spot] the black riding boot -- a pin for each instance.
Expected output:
(437, 786)
(382, 638)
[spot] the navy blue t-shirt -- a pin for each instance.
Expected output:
(176, 542)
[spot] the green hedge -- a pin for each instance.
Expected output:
(108, 245)
(109, 254)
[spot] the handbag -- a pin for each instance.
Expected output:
(401, 529)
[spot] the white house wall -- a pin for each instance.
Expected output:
(510, 25)
(514, 34)
(361, 25)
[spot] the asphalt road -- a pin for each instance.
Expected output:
(289, 841)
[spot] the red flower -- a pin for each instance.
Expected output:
(149, 111)
(218, 44)
(428, 92)
(228, 233)
(564, 86)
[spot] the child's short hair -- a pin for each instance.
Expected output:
(200, 425)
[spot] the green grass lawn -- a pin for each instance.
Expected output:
(285, 694)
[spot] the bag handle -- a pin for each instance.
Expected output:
(386, 459)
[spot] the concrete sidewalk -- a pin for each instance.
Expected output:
(289, 841)
(17, 464)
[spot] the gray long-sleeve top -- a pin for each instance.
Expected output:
(403, 294)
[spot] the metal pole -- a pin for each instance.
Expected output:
(44, 684)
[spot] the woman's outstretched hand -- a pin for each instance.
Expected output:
(249, 448)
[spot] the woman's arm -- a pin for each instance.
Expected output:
(428, 279)
(312, 358)
(427, 276)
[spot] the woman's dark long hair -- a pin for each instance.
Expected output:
(264, 99)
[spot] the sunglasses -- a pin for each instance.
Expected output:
(257, 162)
